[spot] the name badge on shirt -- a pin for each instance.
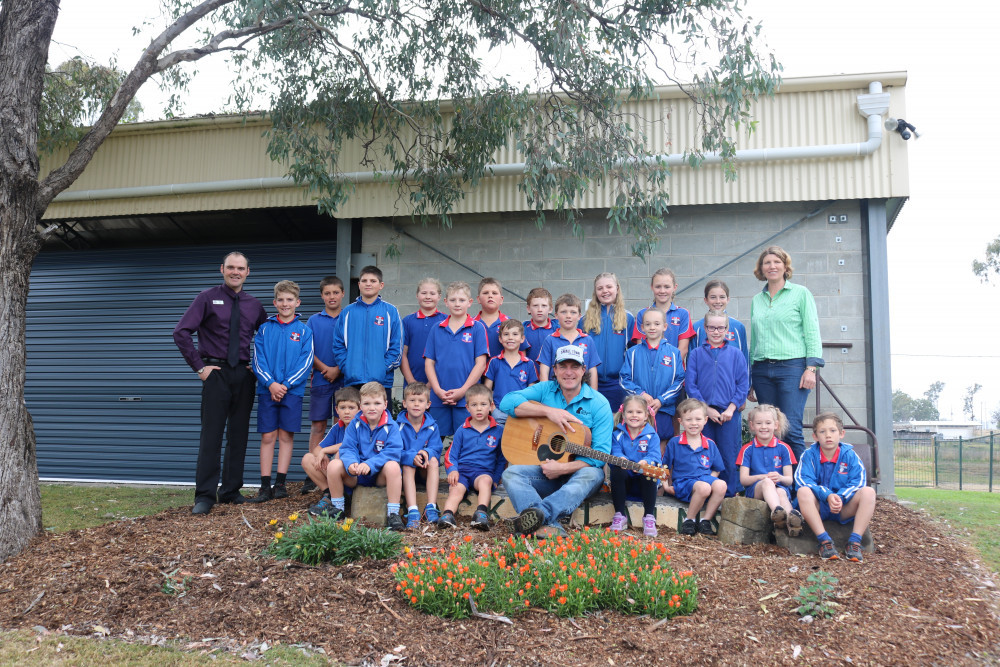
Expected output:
(218, 302)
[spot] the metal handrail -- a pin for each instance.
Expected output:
(874, 475)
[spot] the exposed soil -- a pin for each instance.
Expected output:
(921, 598)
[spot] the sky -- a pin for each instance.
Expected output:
(945, 224)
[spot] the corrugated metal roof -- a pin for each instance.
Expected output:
(807, 111)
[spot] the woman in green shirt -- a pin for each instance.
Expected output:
(785, 345)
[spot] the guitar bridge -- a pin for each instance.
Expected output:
(536, 437)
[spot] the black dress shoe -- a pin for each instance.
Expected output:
(202, 507)
(238, 499)
(264, 494)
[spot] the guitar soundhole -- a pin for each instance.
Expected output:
(557, 444)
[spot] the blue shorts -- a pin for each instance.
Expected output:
(467, 477)
(664, 425)
(370, 479)
(285, 414)
(449, 418)
(321, 402)
(682, 488)
(825, 513)
(779, 487)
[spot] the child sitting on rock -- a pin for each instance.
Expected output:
(766, 467)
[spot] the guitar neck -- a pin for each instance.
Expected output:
(624, 463)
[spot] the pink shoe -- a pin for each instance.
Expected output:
(649, 525)
(619, 522)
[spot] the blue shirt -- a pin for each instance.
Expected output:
(588, 406)
(556, 340)
(375, 446)
(334, 436)
(657, 371)
(282, 353)
(506, 378)
(843, 473)
(472, 450)
(717, 375)
(643, 447)
(535, 336)
(678, 322)
(427, 438)
(454, 354)
(323, 326)
(687, 463)
(762, 459)
(416, 328)
(610, 345)
(735, 336)
(369, 342)
(493, 334)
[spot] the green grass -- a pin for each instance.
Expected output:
(977, 513)
(23, 647)
(73, 506)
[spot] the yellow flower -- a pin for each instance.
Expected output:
(348, 523)
(406, 550)
(293, 517)
(278, 536)
(272, 522)
(298, 546)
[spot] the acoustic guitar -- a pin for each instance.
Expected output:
(531, 440)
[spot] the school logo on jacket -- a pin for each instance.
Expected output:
(842, 468)
(643, 446)
(675, 321)
(730, 336)
(379, 321)
(777, 462)
(466, 337)
(705, 461)
(667, 360)
(296, 336)
(491, 441)
(379, 445)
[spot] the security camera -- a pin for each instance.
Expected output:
(901, 126)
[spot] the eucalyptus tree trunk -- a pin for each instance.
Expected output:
(25, 31)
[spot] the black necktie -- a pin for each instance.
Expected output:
(233, 355)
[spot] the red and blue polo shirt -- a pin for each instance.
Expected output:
(472, 450)
(556, 340)
(507, 378)
(493, 334)
(416, 328)
(678, 325)
(687, 463)
(454, 353)
(764, 458)
(535, 336)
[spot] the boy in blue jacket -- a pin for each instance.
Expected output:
(654, 370)
(369, 456)
(282, 360)
(832, 483)
(421, 452)
(368, 343)
(474, 460)
(717, 374)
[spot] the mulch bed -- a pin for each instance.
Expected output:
(921, 598)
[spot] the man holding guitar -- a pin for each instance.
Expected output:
(544, 493)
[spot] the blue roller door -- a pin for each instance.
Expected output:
(110, 395)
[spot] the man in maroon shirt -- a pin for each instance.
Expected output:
(225, 319)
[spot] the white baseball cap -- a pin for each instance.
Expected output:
(570, 353)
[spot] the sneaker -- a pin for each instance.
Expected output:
(527, 522)
(619, 522)
(705, 527)
(795, 522)
(827, 551)
(447, 520)
(394, 522)
(779, 517)
(480, 520)
(431, 514)
(279, 491)
(688, 527)
(325, 507)
(308, 486)
(264, 493)
(412, 519)
(854, 553)
(649, 525)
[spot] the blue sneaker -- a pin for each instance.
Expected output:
(325, 508)
(480, 520)
(431, 514)
(412, 519)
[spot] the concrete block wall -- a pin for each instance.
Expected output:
(695, 243)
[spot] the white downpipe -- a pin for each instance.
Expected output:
(873, 106)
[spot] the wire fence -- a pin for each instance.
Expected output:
(966, 463)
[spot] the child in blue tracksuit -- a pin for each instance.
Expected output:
(282, 361)
(421, 452)
(474, 460)
(695, 464)
(369, 456)
(654, 370)
(717, 375)
(368, 344)
(831, 483)
(610, 326)
(635, 439)
(717, 298)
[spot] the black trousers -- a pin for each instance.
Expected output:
(226, 401)
(622, 483)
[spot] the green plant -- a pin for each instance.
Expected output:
(815, 598)
(568, 576)
(174, 584)
(326, 541)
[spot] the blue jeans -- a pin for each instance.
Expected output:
(777, 383)
(528, 487)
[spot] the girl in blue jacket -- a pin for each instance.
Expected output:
(635, 439)
(610, 325)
